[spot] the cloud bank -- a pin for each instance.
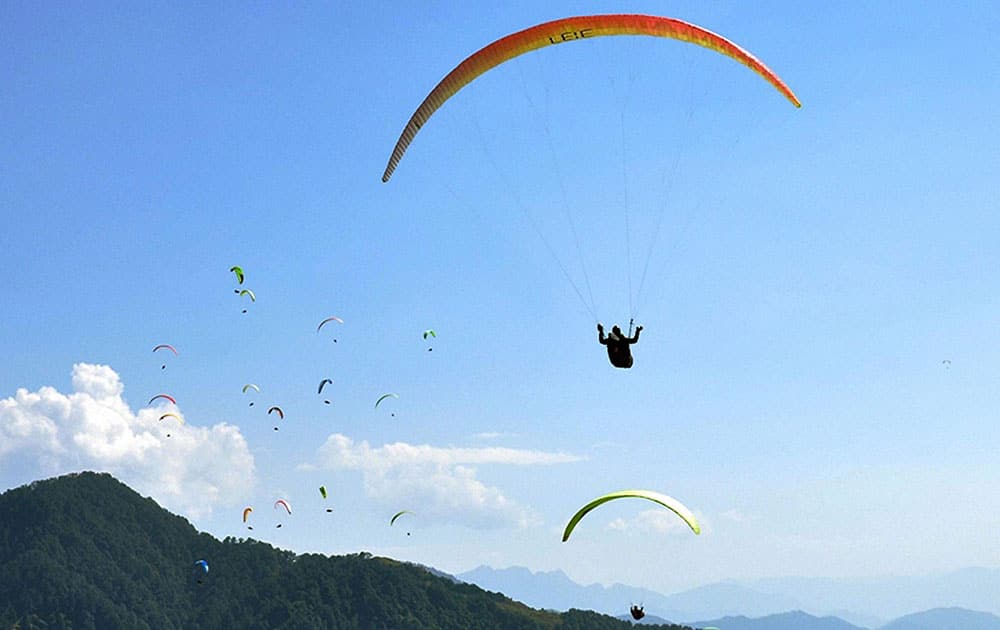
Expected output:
(47, 433)
(439, 482)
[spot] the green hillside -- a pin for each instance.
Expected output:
(86, 551)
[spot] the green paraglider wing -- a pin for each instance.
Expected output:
(397, 515)
(429, 333)
(322, 490)
(239, 273)
(253, 298)
(670, 503)
(250, 386)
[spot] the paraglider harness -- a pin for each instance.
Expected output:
(618, 351)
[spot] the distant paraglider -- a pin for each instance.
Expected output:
(322, 384)
(165, 346)
(285, 505)
(383, 397)
(637, 612)
(171, 415)
(250, 294)
(248, 387)
(670, 503)
(429, 333)
(332, 318)
(281, 414)
(246, 515)
(392, 521)
(201, 570)
(322, 491)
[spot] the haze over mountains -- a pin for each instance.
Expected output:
(862, 603)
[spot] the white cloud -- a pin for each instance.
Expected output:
(46, 433)
(493, 435)
(737, 516)
(438, 482)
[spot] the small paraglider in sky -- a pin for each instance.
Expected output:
(250, 294)
(383, 397)
(946, 363)
(392, 521)
(322, 491)
(281, 414)
(201, 570)
(322, 384)
(165, 346)
(430, 333)
(248, 387)
(285, 505)
(171, 415)
(236, 269)
(246, 514)
(637, 612)
(332, 318)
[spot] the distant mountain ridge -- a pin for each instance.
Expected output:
(794, 620)
(771, 598)
(941, 618)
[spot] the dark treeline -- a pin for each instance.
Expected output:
(86, 551)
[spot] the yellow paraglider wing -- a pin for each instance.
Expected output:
(565, 30)
(670, 503)
(171, 415)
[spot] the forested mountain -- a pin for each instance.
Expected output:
(86, 551)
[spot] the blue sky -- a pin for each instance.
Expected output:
(812, 270)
